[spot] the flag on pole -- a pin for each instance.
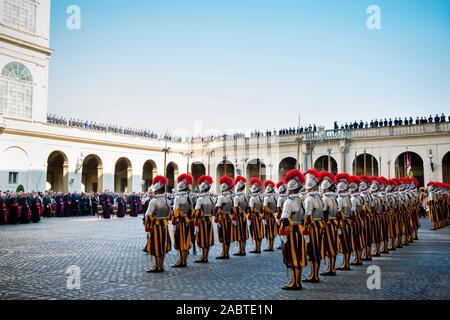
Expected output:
(408, 164)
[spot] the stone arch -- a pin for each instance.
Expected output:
(57, 172)
(256, 169)
(149, 171)
(285, 166)
(326, 163)
(92, 174)
(225, 169)
(172, 173)
(365, 164)
(15, 161)
(198, 169)
(123, 175)
(446, 168)
(417, 169)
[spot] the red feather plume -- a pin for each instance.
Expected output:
(356, 179)
(208, 180)
(326, 174)
(255, 180)
(162, 180)
(279, 184)
(225, 179)
(185, 176)
(269, 182)
(294, 174)
(343, 176)
(241, 179)
(314, 172)
(365, 179)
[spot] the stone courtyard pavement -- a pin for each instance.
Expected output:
(34, 260)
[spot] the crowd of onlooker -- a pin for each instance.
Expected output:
(391, 123)
(27, 207)
(91, 125)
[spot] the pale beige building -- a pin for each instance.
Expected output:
(43, 156)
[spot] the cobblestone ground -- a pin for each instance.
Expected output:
(34, 260)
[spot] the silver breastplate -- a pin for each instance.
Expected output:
(207, 205)
(272, 204)
(242, 202)
(258, 204)
(227, 204)
(162, 209)
(183, 203)
(296, 208)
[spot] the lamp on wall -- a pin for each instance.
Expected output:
(430, 155)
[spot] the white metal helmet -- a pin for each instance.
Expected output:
(204, 183)
(159, 182)
(294, 180)
(255, 185)
(342, 181)
(240, 182)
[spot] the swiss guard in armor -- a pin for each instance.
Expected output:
(182, 213)
(240, 209)
(269, 214)
(384, 216)
(313, 223)
(204, 210)
(291, 230)
(392, 201)
(377, 208)
(402, 214)
(156, 225)
(356, 221)
(416, 207)
(366, 216)
(281, 198)
(223, 218)
(343, 225)
(330, 209)
(255, 218)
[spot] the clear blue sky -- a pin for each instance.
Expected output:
(248, 63)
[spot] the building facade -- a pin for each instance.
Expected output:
(42, 156)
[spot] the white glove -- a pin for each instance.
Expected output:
(278, 221)
(197, 229)
(234, 223)
(307, 239)
(264, 222)
(284, 238)
(339, 231)
(219, 225)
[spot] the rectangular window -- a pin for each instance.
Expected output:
(13, 178)
(20, 14)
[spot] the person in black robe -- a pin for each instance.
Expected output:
(134, 205)
(59, 205)
(94, 204)
(3, 210)
(106, 204)
(121, 207)
(47, 204)
(68, 205)
(84, 205)
(13, 209)
(75, 204)
(25, 213)
(35, 208)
